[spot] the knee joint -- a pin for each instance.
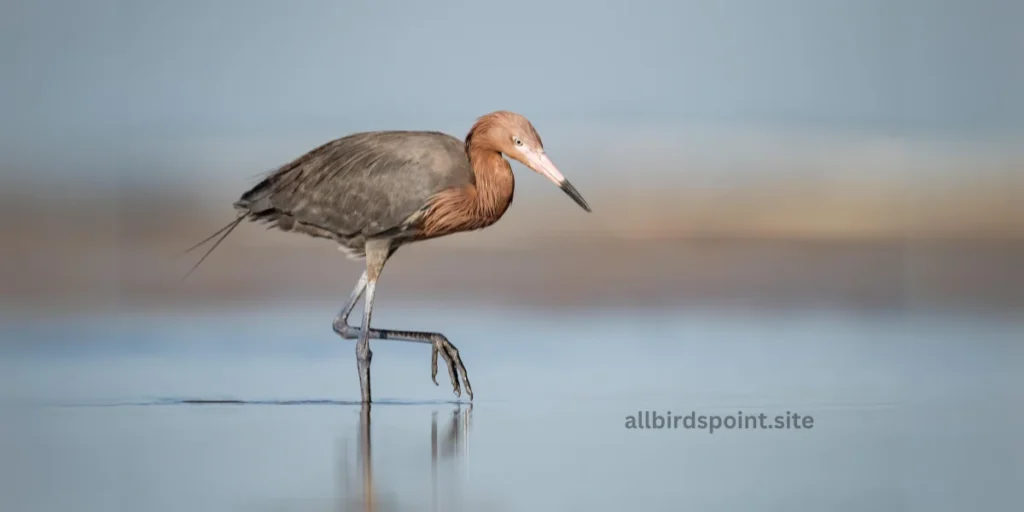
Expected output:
(344, 330)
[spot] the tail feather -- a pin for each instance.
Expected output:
(226, 230)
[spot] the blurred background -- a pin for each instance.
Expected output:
(864, 152)
(798, 205)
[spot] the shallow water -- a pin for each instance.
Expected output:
(909, 412)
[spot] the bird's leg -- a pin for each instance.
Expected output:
(341, 321)
(439, 343)
(377, 253)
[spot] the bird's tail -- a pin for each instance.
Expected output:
(226, 230)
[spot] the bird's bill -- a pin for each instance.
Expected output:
(540, 162)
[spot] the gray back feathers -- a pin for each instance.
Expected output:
(362, 185)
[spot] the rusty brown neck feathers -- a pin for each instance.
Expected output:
(481, 204)
(494, 180)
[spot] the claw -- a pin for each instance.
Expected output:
(433, 364)
(454, 362)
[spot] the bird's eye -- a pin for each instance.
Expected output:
(517, 141)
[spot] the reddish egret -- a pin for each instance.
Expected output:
(373, 192)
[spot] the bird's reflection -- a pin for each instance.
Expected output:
(447, 443)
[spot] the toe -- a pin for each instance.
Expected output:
(433, 364)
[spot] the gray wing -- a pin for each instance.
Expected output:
(363, 184)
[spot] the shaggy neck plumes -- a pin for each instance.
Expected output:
(478, 205)
(494, 180)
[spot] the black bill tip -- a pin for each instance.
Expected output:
(574, 194)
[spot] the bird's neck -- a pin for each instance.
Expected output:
(494, 182)
(473, 206)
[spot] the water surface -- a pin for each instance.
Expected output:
(915, 412)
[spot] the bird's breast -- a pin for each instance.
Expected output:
(454, 211)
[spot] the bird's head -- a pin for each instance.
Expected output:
(514, 136)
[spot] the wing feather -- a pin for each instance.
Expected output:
(363, 184)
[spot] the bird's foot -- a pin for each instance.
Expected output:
(450, 354)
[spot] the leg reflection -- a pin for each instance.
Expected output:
(451, 444)
(366, 458)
